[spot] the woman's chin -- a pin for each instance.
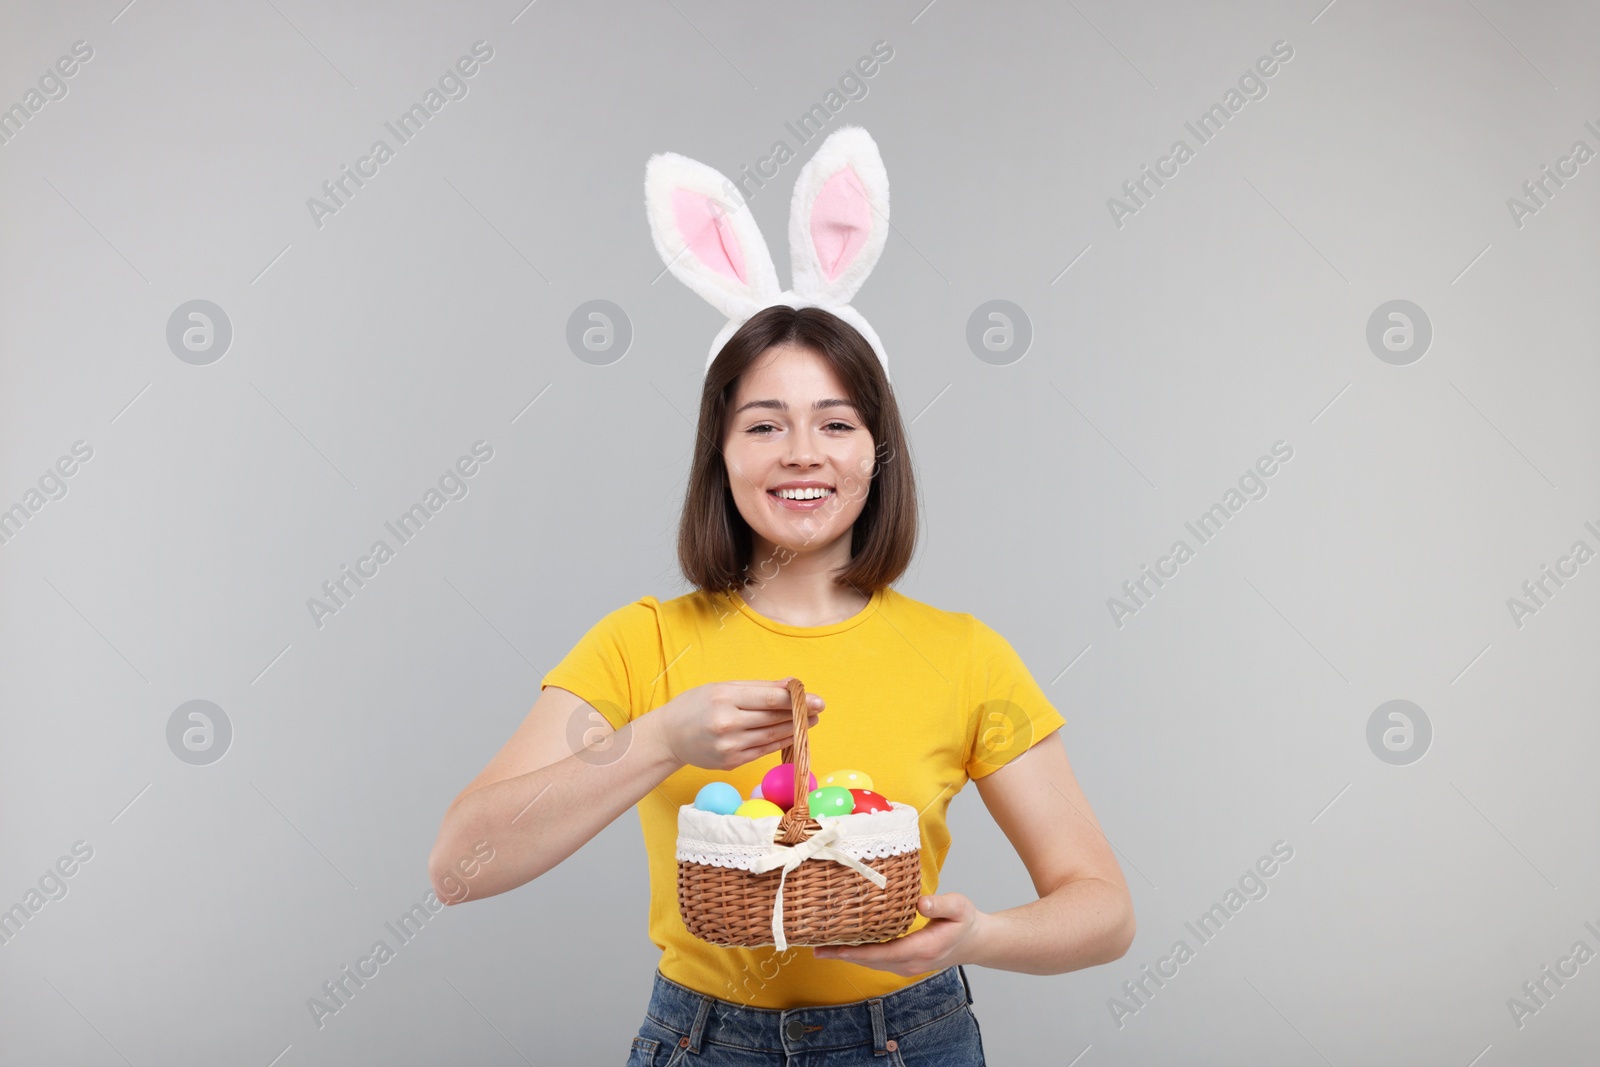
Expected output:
(801, 538)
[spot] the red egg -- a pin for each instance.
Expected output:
(867, 800)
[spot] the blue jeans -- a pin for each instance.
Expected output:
(926, 1024)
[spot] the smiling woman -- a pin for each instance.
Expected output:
(800, 514)
(797, 399)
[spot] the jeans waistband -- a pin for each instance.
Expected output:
(706, 1018)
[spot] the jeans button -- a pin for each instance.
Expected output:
(891, 1044)
(795, 1029)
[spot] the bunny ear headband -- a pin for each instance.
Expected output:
(838, 222)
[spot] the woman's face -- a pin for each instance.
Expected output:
(777, 436)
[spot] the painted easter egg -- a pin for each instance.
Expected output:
(866, 801)
(777, 785)
(848, 779)
(719, 797)
(831, 800)
(758, 809)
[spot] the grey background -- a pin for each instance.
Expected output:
(369, 354)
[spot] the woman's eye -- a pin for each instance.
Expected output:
(757, 429)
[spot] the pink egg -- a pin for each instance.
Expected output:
(777, 785)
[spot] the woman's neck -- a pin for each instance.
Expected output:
(798, 589)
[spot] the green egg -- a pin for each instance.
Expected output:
(831, 800)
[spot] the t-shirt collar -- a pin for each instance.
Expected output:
(872, 606)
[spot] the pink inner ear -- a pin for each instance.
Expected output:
(840, 221)
(707, 232)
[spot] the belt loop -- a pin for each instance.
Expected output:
(965, 985)
(880, 1032)
(698, 1029)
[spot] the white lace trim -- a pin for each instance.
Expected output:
(738, 841)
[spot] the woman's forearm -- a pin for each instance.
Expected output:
(1083, 923)
(536, 820)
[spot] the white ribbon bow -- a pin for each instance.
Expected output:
(791, 856)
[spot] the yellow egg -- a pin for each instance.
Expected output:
(758, 809)
(848, 779)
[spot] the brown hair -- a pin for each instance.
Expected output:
(714, 541)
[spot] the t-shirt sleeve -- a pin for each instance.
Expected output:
(1010, 712)
(615, 665)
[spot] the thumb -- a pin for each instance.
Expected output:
(938, 906)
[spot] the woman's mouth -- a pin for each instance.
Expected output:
(808, 499)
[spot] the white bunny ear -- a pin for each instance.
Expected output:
(839, 217)
(706, 235)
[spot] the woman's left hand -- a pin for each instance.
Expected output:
(953, 931)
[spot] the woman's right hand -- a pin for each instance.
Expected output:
(724, 725)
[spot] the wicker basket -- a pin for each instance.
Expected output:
(795, 879)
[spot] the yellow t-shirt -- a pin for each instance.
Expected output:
(918, 698)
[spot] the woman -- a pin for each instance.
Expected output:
(682, 692)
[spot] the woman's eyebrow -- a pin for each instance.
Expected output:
(779, 405)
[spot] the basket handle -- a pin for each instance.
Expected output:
(794, 828)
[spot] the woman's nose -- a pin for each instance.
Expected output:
(802, 449)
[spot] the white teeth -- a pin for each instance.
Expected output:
(802, 494)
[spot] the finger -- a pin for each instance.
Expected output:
(811, 698)
(753, 720)
(766, 739)
(778, 694)
(779, 732)
(863, 954)
(751, 754)
(755, 752)
(762, 696)
(778, 700)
